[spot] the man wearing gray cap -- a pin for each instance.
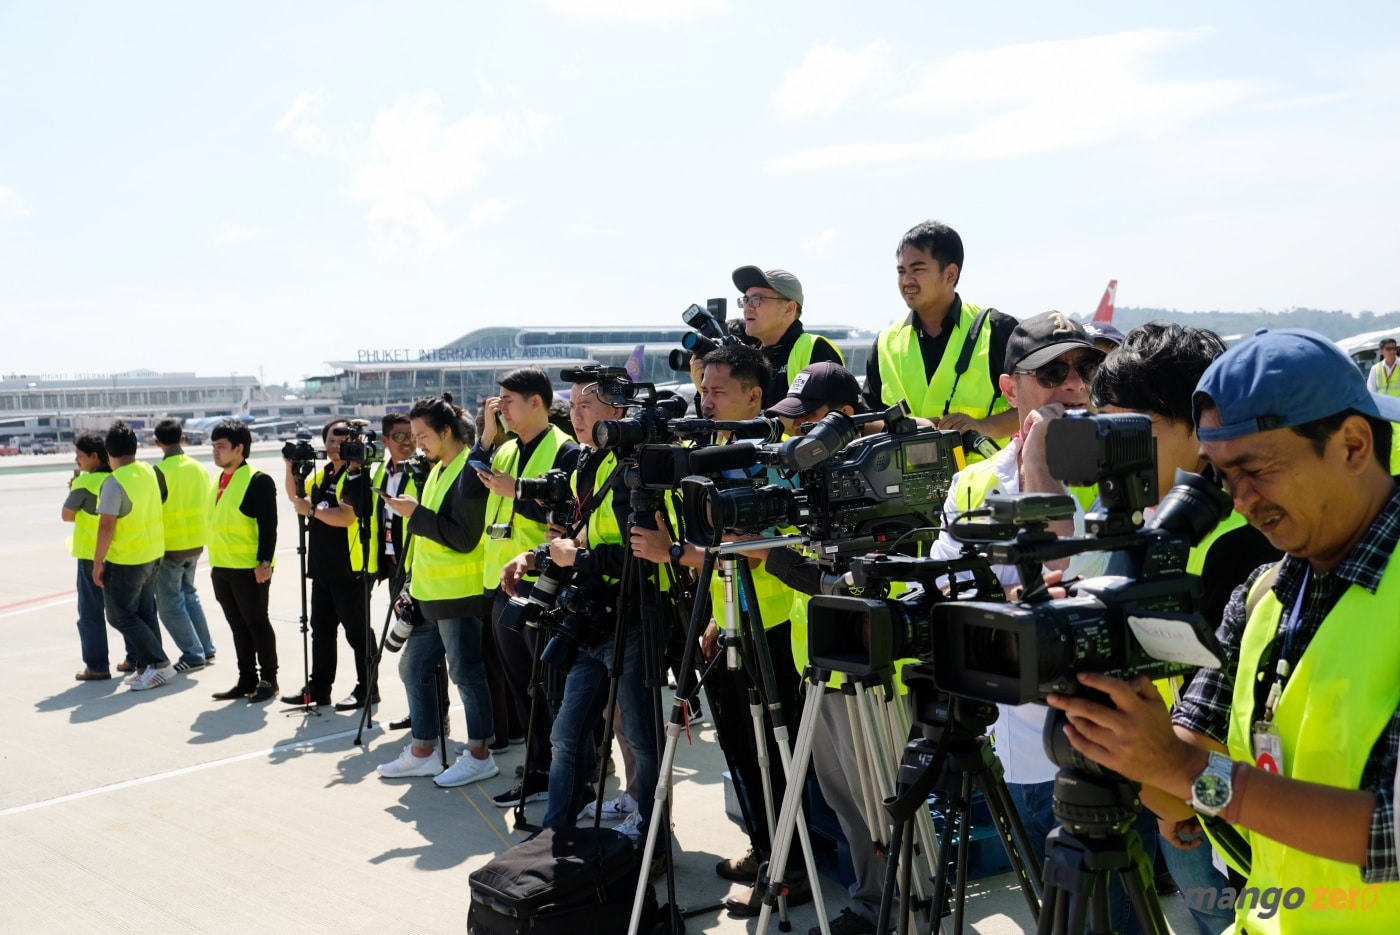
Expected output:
(772, 306)
(1293, 739)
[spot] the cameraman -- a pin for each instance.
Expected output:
(515, 526)
(1293, 740)
(731, 389)
(1153, 373)
(596, 553)
(1050, 360)
(772, 307)
(335, 566)
(444, 584)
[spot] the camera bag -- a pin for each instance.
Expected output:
(559, 883)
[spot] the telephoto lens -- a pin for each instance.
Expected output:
(406, 617)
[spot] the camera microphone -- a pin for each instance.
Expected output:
(718, 458)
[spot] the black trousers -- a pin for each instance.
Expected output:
(337, 604)
(734, 724)
(517, 652)
(244, 602)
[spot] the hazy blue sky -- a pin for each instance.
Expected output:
(217, 187)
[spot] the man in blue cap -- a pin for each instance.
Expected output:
(1294, 739)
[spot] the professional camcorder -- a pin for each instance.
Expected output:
(357, 443)
(301, 451)
(709, 333)
(1142, 623)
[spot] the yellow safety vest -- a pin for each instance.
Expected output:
(1334, 707)
(1390, 387)
(601, 525)
(186, 509)
(409, 489)
(233, 536)
(140, 535)
(801, 657)
(775, 599)
(902, 372)
(525, 533)
(801, 354)
(976, 482)
(439, 573)
(83, 542)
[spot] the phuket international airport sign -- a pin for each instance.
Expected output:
(443, 355)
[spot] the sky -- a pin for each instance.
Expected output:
(264, 187)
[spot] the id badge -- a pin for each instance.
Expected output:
(1268, 747)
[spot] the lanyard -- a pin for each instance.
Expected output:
(1290, 628)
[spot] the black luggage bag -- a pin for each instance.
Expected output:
(560, 883)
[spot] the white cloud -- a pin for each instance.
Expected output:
(1038, 97)
(821, 242)
(828, 76)
(638, 10)
(489, 210)
(10, 204)
(299, 122)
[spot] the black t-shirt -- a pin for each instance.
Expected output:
(328, 547)
(933, 347)
(822, 349)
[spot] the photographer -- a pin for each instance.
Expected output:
(916, 359)
(1293, 740)
(732, 390)
(394, 475)
(772, 308)
(1153, 373)
(335, 565)
(515, 526)
(1051, 361)
(444, 584)
(596, 553)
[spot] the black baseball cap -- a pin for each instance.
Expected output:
(824, 383)
(779, 280)
(1042, 338)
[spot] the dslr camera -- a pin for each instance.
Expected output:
(709, 333)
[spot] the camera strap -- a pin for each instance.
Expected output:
(589, 506)
(965, 359)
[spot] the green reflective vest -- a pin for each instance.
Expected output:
(186, 509)
(233, 536)
(525, 533)
(902, 372)
(314, 484)
(774, 598)
(83, 542)
(600, 526)
(1390, 386)
(976, 482)
(439, 573)
(140, 535)
(1335, 705)
(409, 489)
(801, 354)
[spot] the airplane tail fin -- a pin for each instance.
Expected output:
(247, 398)
(1104, 312)
(634, 363)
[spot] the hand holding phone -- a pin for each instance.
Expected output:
(479, 465)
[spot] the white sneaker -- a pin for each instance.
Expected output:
(151, 677)
(613, 810)
(409, 765)
(466, 770)
(632, 827)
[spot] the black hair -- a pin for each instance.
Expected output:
(439, 413)
(90, 443)
(738, 329)
(236, 432)
(121, 440)
(559, 417)
(936, 239)
(1320, 432)
(1156, 369)
(1384, 342)
(169, 431)
(326, 429)
(529, 381)
(746, 364)
(392, 419)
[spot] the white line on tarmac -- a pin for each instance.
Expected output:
(171, 774)
(51, 604)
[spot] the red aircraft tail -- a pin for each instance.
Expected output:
(1105, 309)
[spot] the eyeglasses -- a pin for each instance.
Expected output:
(754, 301)
(1057, 371)
(401, 437)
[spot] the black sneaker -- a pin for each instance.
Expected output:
(847, 923)
(534, 787)
(403, 723)
(237, 691)
(266, 691)
(304, 696)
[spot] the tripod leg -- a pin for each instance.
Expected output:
(375, 657)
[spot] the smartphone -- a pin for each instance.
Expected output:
(479, 465)
(379, 490)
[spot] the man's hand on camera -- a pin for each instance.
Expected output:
(1185, 835)
(652, 545)
(499, 483)
(514, 570)
(562, 552)
(709, 643)
(958, 422)
(1033, 463)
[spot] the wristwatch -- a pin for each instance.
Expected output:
(1211, 791)
(676, 551)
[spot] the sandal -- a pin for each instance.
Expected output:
(87, 675)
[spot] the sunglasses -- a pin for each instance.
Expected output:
(401, 437)
(1057, 371)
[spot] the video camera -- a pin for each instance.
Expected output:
(1142, 623)
(851, 494)
(648, 425)
(301, 453)
(358, 444)
(709, 333)
(417, 468)
(551, 489)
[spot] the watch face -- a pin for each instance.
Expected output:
(1212, 791)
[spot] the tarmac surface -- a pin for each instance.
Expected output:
(165, 811)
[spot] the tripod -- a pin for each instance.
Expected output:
(300, 471)
(364, 513)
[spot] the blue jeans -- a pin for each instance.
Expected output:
(92, 625)
(178, 604)
(571, 738)
(1193, 870)
(129, 595)
(459, 641)
(1034, 803)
